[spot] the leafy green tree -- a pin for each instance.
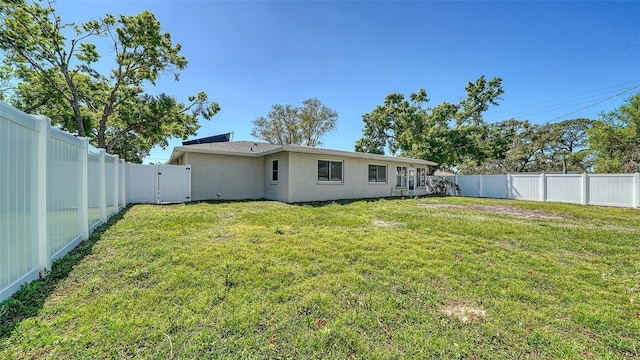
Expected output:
(56, 65)
(519, 146)
(287, 124)
(566, 148)
(614, 140)
(448, 133)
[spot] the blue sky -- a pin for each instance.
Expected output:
(558, 60)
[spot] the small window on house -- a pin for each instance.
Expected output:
(401, 176)
(274, 170)
(422, 177)
(329, 170)
(378, 173)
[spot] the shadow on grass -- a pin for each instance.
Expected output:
(316, 203)
(350, 201)
(30, 299)
(221, 201)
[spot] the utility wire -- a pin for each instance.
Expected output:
(556, 102)
(554, 105)
(576, 63)
(596, 103)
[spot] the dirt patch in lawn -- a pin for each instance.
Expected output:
(501, 209)
(385, 224)
(463, 312)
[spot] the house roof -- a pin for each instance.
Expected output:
(257, 149)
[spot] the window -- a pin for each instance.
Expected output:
(401, 176)
(422, 177)
(274, 170)
(378, 173)
(329, 170)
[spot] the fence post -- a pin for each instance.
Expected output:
(480, 186)
(103, 183)
(455, 181)
(636, 181)
(43, 124)
(509, 186)
(543, 187)
(585, 189)
(122, 196)
(116, 183)
(84, 188)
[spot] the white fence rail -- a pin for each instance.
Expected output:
(621, 190)
(55, 190)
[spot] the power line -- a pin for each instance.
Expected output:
(554, 105)
(576, 63)
(614, 87)
(596, 103)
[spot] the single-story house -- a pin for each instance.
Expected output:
(238, 170)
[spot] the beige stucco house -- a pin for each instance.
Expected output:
(290, 173)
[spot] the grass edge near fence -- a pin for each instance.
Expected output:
(29, 300)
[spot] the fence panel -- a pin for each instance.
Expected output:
(611, 190)
(94, 190)
(64, 174)
(495, 186)
(174, 183)
(19, 148)
(122, 197)
(564, 188)
(110, 184)
(525, 187)
(469, 185)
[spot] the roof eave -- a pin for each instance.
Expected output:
(184, 149)
(360, 155)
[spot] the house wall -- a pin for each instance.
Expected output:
(234, 177)
(277, 190)
(304, 185)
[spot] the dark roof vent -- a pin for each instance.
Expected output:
(211, 139)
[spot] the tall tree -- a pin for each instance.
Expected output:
(519, 146)
(315, 121)
(448, 133)
(615, 139)
(567, 146)
(56, 64)
(287, 124)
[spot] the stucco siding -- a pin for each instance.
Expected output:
(234, 177)
(277, 190)
(304, 184)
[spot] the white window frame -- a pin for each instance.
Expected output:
(275, 171)
(421, 177)
(377, 179)
(401, 173)
(329, 181)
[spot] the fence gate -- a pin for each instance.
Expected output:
(174, 183)
(158, 184)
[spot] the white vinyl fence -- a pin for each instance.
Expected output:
(54, 191)
(621, 190)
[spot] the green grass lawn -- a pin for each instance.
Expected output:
(420, 278)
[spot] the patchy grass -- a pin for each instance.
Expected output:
(426, 278)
